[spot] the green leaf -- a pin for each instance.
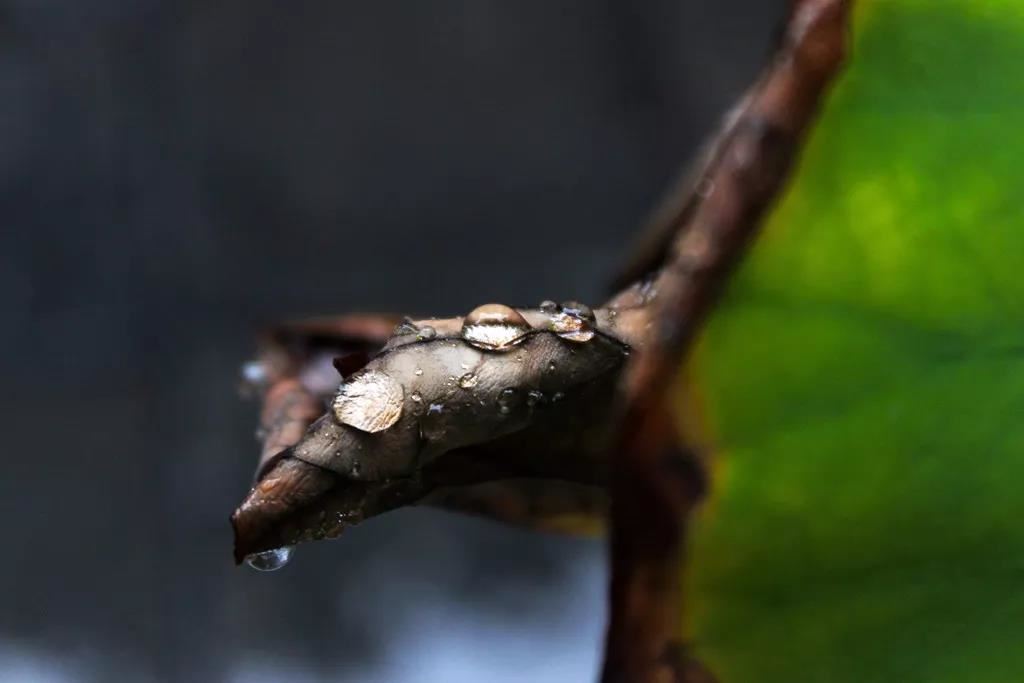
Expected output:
(863, 379)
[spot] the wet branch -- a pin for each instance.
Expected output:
(508, 412)
(504, 412)
(656, 477)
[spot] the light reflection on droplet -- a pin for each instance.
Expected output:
(506, 400)
(270, 560)
(494, 327)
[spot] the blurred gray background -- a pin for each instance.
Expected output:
(173, 174)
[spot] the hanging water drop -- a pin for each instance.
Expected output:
(494, 327)
(426, 332)
(418, 372)
(416, 397)
(270, 560)
(534, 397)
(255, 378)
(468, 381)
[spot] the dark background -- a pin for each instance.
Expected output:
(174, 173)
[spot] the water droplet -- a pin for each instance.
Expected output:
(426, 332)
(578, 310)
(255, 379)
(254, 373)
(270, 560)
(549, 307)
(433, 423)
(494, 327)
(464, 366)
(534, 397)
(468, 381)
(558, 396)
(551, 366)
(418, 372)
(370, 401)
(407, 326)
(574, 322)
(507, 400)
(416, 397)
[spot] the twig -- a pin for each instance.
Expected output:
(655, 480)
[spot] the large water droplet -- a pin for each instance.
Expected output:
(494, 327)
(370, 401)
(534, 397)
(270, 560)
(426, 332)
(468, 381)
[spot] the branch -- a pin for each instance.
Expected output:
(656, 481)
(504, 412)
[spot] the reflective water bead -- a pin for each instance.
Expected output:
(370, 401)
(494, 327)
(270, 560)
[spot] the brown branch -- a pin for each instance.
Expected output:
(453, 412)
(655, 481)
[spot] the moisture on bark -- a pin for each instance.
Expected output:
(510, 412)
(504, 412)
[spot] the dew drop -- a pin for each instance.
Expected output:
(407, 326)
(426, 332)
(418, 372)
(534, 397)
(551, 366)
(506, 400)
(558, 396)
(270, 560)
(578, 310)
(254, 373)
(416, 397)
(371, 401)
(549, 307)
(573, 322)
(494, 327)
(432, 424)
(468, 381)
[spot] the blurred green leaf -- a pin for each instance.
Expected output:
(863, 379)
